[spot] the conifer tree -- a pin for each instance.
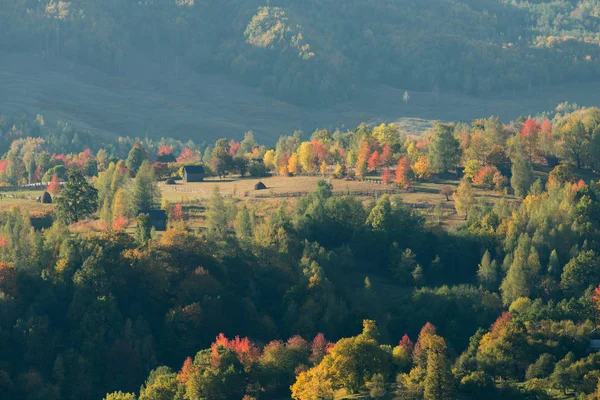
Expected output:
(487, 272)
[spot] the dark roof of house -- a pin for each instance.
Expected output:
(194, 169)
(154, 214)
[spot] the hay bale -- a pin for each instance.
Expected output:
(260, 186)
(46, 198)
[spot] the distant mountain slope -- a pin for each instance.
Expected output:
(318, 52)
(204, 107)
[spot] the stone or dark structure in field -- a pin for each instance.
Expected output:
(260, 186)
(170, 181)
(193, 173)
(46, 198)
(158, 218)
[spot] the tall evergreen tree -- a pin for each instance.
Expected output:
(146, 195)
(78, 199)
(522, 176)
(487, 272)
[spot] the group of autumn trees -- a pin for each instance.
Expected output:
(90, 314)
(314, 53)
(492, 155)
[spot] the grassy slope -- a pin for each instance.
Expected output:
(204, 107)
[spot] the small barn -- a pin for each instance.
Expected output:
(46, 198)
(260, 186)
(158, 218)
(193, 173)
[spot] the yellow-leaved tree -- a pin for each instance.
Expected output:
(293, 166)
(421, 168)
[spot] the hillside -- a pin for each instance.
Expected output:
(139, 59)
(204, 107)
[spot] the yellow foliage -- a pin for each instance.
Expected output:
(293, 167)
(421, 168)
(313, 384)
(306, 157)
(323, 168)
(269, 158)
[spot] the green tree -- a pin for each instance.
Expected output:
(522, 176)
(576, 142)
(243, 224)
(217, 220)
(582, 271)
(137, 155)
(220, 160)
(161, 384)
(487, 273)
(464, 198)
(248, 143)
(439, 382)
(444, 149)
(143, 232)
(376, 386)
(146, 195)
(78, 199)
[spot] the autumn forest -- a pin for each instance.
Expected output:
(434, 259)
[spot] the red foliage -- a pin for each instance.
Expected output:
(530, 128)
(246, 351)
(3, 165)
(386, 155)
(363, 157)
(500, 324)
(406, 344)
(177, 212)
(319, 348)
(387, 177)
(38, 174)
(373, 162)
(546, 127)
(3, 242)
(164, 150)
(186, 155)
(403, 173)
(233, 147)
(54, 185)
(578, 185)
(421, 144)
(120, 223)
(187, 371)
(297, 343)
(485, 176)
(319, 150)
(419, 350)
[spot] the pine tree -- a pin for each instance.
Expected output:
(146, 195)
(216, 215)
(143, 231)
(487, 272)
(243, 225)
(554, 268)
(78, 199)
(522, 176)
